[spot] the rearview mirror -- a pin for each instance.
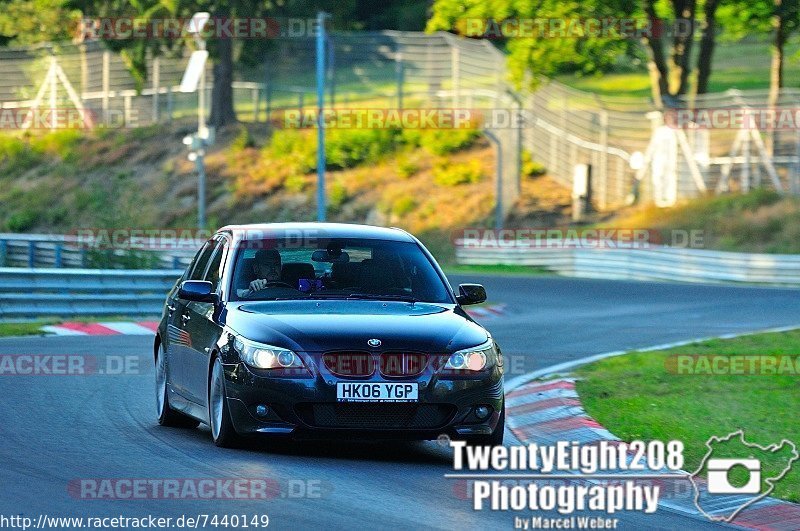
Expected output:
(197, 291)
(471, 294)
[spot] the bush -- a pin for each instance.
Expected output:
(295, 149)
(59, 144)
(337, 196)
(531, 168)
(17, 155)
(243, 140)
(454, 174)
(21, 221)
(446, 141)
(295, 183)
(406, 166)
(346, 148)
(403, 205)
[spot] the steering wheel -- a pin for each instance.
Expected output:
(275, 284)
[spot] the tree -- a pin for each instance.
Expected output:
(33, 21)
(548, 54)
(671, 67)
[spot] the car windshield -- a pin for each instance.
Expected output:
(352, 268)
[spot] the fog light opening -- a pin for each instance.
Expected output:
(262, 410)
(482, 412)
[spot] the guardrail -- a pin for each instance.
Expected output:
(32, 293)
(57, 250)
(654, 263)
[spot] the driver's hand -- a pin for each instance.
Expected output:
(258, 284)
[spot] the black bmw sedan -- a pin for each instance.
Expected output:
(325, 330)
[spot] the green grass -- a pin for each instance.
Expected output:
(636, 397)
(761, 221)
(22, 329)
(34, 328)
(741, 65)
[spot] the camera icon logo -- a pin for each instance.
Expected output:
(724, 487)
(719, 476)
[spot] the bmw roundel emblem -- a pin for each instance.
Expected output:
(374, 342)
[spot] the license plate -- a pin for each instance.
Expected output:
(377, 392)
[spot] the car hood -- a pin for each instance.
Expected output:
(319, 325)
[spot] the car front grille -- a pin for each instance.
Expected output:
(403, 363)
(385, 416)
(349, 363)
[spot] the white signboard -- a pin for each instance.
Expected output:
(191, 78)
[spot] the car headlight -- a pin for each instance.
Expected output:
(263, 356)
(471, 359)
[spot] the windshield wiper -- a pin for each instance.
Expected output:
(380, 297)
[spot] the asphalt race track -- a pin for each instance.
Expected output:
(57, 430)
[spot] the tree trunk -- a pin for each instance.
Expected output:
(657, 55)
(682, 43)
(222, 112)
(776, 72)
(779, 22)
(707, 43)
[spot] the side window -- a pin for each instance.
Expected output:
(214, 272)
(202, 261)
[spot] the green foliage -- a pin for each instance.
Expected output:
(543, 55)
(121, 259)
(346, 148)
(337, 195)
(295, 183)
(61, 144)
(403, 205)
(32, 21)
(17, 155)
(406, 166)
(292, 148)
(531, 168)
(243, 140)
(440, 141)
(446, 173)
(21, 221)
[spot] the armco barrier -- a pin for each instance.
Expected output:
(58, 250)
(32, 293)
(654, 263)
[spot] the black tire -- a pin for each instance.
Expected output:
(495, 438)
(219, 416)
(166, 415)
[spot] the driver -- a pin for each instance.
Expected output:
(266, 268)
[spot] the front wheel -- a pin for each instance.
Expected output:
(222, 431)
(166, 415)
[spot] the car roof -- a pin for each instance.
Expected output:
(258, 231)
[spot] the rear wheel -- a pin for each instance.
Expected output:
(222, 431)
(166, 415)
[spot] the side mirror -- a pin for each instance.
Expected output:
(197, 291)
(471, 294)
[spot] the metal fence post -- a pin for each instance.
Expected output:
(455, 74)
(3, 253)
(603, 199)
(57, 258)
(256, 102)
(156, 87)
(398, 70)
(106, 83)
(169, 104)
(31, 254)
(498, 209)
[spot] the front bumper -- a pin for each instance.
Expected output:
(307, 407)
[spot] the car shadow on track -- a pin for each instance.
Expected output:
(419, 452)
